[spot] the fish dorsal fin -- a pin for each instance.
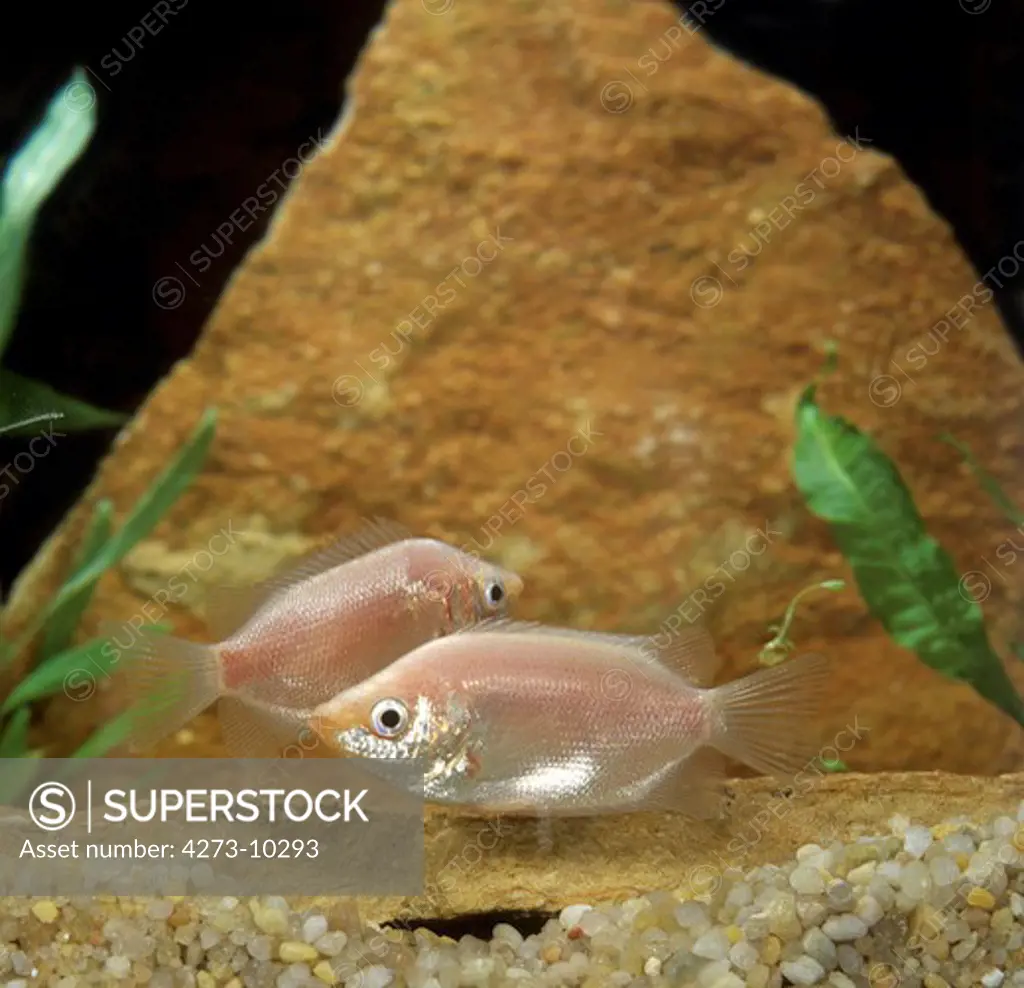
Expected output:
(229, 607)
(374, 534)
(688, 652)
(505, 625)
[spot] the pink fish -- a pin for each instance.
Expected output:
(519, 718)
(323, 624)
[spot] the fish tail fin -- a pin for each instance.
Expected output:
(765, 720)
(167, 681)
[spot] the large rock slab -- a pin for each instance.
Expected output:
(496, 865)
(552, 292)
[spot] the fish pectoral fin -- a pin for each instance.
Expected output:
(694, 786)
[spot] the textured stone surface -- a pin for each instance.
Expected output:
(490, 259)
(478, 865)
(482, 870)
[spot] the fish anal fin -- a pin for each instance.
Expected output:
(694, 787)
(689, 652)
(252, 730)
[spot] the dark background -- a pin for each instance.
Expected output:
(198, 112)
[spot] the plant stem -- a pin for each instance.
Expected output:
(780, 643)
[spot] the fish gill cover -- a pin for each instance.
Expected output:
(907, 579)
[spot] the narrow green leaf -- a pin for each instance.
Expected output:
(152, 506)
(71, 669)
(110, 735)
(14, 740)
(61, 627)
(906, 578)
(144, 517)
(117, 731)
(23, 401)
(15, 775)
(13, 247)
(988, 482)
(32, 174)
(32, 425)
(834, 765)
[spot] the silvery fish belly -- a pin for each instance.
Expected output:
(555, 744)
(517, 718)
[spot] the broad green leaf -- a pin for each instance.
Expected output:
(988, 482)
(906, 578)
(998, 495)
(23, 401)
(14, 740)
(144, 517)
(62, 624)
(90, 661)
(32, 174)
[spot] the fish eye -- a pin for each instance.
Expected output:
(494, 593)
(389, 718)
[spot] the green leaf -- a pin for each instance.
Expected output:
(906, 578)
(15, 775)
(988, 482)
(1018, 649)
(60, 629)
(118, 730)
(152, 506)
(32, 174)
(14, 740)
(144, 517)
(23, 401)
(91, 660)
(110, 735)
(29, 426)
(834, 765)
